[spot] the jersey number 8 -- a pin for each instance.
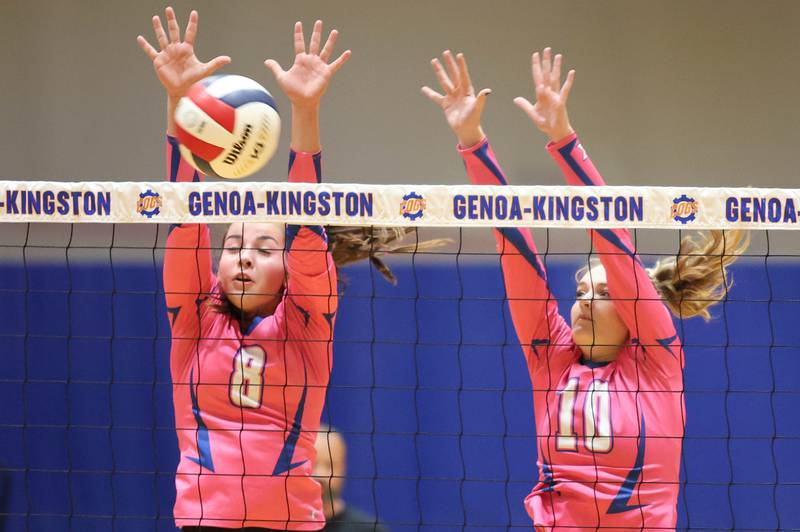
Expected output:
(247, 378)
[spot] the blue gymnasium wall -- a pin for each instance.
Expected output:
(440, 436)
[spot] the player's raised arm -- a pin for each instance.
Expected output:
(306, 82)
(549, 113)
(635, 297)
(533, 309)
(311, 284)
(187, 261)
(176, 65)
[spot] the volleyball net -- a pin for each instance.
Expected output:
(429, 387)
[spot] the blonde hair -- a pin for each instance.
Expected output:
(697, 277)
(353, 244)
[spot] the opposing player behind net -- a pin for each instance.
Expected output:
(607, 391)
(251, 351)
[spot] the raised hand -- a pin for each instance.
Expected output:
(462, 107)
(176, 65)
(549, 113)
(308, 78)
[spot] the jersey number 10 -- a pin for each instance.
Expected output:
(596, 418)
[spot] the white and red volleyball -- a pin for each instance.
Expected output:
(228, 126)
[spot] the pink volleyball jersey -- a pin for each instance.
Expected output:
(248, 403)
(608, 434)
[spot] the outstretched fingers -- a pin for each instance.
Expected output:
(528, 108)
(215, 64)
(340, 61)
(567, 86)
(299, 40)
(536, 69)
(463, 73)
(158, 29)
(191, 28)
(441, 75)
(547, 66)
(147, 48)
(433, 96)
(452, 69)
(327, 50)
(172, 26)
(555, 73)
(316, 37)
(274, 67)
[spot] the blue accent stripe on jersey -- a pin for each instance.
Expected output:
(292, 156)
(203, 443)
(292, 230)
(566, 153)
(306, 314)
(319, 231)
(172, 227)
(666, 344)
(204, 166)
(482, 153)
(537, 342)
(173, 311)
(174, 159)
(253, 325)
(514, 236)
(317, 158)
(612, 237)
(238, 98)
(284, 463)
(547, 473)
(329, 318)
(620, 502)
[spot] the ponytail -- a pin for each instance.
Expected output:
(698, 277)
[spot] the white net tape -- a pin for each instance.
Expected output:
(401, 205)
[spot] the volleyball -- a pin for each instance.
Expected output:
(228, 126)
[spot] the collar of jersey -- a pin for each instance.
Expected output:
(593, 364)
(253, 325)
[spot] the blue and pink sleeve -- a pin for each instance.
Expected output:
(188, 277)
(534, 311)
(636, 299)
(311, 286)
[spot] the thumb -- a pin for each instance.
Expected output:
(215, 64)
(274, 67)
(525, 105)
(482, 99)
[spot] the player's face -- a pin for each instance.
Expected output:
(596, 326)
(251, 268)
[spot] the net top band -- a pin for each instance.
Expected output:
(400, 205)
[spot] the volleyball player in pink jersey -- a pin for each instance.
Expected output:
(607, 390)
(251, 345)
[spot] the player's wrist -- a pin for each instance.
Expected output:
(470, 137)
(559, 134)
(306, 107)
